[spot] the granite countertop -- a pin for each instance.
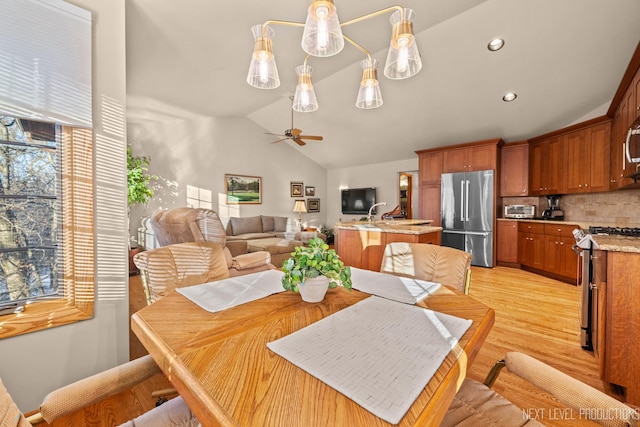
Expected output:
(605, 242)
(548, 221)
(617, 243)
(403, 226)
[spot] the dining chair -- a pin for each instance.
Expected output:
(184, 224)
(447, 266)
(184, 264)
(91, 390)
(476, 404)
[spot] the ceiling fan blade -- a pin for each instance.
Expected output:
(299, 141)
(276, 134)
(280, 140)
(314, 137)
(296, 132)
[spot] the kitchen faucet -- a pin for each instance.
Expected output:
(370, 216)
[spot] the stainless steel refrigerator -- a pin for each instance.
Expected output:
(467, 214)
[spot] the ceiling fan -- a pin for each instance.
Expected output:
(294, 134)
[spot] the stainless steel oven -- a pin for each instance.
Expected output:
(592, 271)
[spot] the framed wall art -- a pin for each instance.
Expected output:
(309, 191)
(243, 189)
(296, 189)
(313, 205)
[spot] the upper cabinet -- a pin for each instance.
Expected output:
(514, 169)
(624, 109)
(626, 112)
(474, 156)
(545, 163)
(576, 159)
(587, 159)
(471, 158)
(430, 164)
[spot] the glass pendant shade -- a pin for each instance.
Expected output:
(304, 100)
(403, 59)
(369, 95)
(263, 72)
(322, 33)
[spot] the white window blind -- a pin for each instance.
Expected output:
(45, 61)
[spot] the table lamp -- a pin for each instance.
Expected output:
(300, 208)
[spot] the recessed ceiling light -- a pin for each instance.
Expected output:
(495, 44)
(509, 96)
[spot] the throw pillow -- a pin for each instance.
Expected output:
(252, 224)
(280, 223)
(267, 223)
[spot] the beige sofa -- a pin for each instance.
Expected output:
(268, 233)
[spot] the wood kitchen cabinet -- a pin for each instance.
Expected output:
(587, 154)
(478, 156)
(514, 169)
(430, 203)
(625, 108)
(430, 168)
(560, 258)
(545, 167)
(507, 241)
(531, 244)
(547, 249)
(618, 174)
(619, 326)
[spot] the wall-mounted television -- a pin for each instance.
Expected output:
(358, 201)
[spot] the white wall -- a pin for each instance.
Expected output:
(383, 176)
(36, 363)
(191, 150)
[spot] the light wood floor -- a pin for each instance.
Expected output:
(535, 315)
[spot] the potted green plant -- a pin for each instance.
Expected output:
(313, 269)
(138, 191)
(138, 180)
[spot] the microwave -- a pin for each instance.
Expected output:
(519, 211)
(632, 144)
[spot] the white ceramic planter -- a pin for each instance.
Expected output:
(314, 289)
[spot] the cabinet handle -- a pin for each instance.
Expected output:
(561, 243)
(586, 185)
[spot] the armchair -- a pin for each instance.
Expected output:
(447, 266)
(476, 404)
(181, 225)
(91, 390)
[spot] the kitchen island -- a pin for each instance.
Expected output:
(616, 298)
(361, 243)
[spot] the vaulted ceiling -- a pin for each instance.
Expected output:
(564, 59)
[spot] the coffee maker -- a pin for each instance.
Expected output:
(553, 210)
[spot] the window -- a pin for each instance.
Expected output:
(28, 210)
(46, 224)
(47, 208)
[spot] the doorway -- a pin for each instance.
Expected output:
(406, 199)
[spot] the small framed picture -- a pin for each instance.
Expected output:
(296, 189)
(313, 205)
(309, 191)
(243, 189)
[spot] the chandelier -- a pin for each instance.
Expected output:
(322, 36)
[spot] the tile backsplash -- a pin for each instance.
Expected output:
(615, 208)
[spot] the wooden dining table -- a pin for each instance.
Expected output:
(221, 366)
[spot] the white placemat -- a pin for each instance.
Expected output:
(379, 353)
(397, 288)
(227, 293)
